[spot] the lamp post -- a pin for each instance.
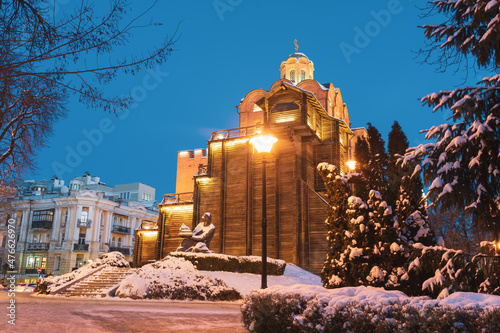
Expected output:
(263, 142)
(351, 164)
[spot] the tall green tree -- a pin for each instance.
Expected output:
(397, 144)
(336, 223)
(461, 163)
(376, 171)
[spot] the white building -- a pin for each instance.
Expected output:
(59, 229)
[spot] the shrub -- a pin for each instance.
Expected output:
(280, 312)
(253, 264)
(227, 263)
(209, 261)
(174, 278)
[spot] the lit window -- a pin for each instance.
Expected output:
(37, 262)
(44, 262)
(292, 76)
(30, 262)
(84, 217)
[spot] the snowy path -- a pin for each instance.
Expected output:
(61, 314)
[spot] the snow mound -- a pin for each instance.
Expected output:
(174, 278)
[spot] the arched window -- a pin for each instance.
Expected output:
(84, 217)
(292, 76)
(113, 241)
(119, 242)
(302, 75)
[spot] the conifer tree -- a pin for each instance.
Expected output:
(361, 156)
(396, 146)
(336, 222)
(377, 163)
(462, 164)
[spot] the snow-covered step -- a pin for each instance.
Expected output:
(95, 285)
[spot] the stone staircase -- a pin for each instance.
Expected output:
(100, 283)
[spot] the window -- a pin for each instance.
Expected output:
(43, 215)
(44, 263)
(37, 262)
(102, 218)
(119, 242)
(66, 217)
(57, 263)
(113, 242)
(62, 238)
(81, 238)
(84, 217)
(30, 262)
(292, 76)
(114, 220)
(79, 260)
(302, 75)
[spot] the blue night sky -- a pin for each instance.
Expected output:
(222, 55)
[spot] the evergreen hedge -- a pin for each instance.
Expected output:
(227, 263)
(276, 312)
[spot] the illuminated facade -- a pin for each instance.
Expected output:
(312, 125)
(58, 229)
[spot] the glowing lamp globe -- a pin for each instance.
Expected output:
(351, 165)
(263, 142)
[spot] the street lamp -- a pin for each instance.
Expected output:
(263, 142)
(351, 164)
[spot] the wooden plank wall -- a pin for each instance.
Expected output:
(171, 219)
(144, 248)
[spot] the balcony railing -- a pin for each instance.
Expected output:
(233, 133)
(81, 247)
(177, 198)
(121, 229)
(38, 246)
(34, 271)
(41, 225)
(83, 223)
(123, 250)
(148, 224)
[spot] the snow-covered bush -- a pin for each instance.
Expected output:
(367, 246)
(228, 263)
(303, 308)
(49, 283)
(253, 264)
(174, 278)
(210, 261)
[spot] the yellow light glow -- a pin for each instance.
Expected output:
(263, 142)
(285, 120)
(177, 208)
(351, 165)
(149, 233)
(235, 142)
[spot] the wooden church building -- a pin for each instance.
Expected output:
(311, 123)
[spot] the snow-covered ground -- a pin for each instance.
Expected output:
(297, 280)
(245, 282)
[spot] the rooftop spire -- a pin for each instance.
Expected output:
(296, 46)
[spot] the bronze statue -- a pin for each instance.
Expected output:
(199, 239)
